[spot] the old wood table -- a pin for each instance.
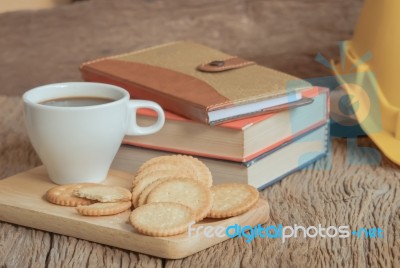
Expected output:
(341, 191)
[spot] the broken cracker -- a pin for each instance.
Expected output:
(104, 193)
(63, 195)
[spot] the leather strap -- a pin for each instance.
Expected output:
(224, 65)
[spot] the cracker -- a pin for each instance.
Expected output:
(104, 193)
(143, 195)
(185, 191)
(103, 209)
(154, 160)
(203, 172)
(147, 180)
(63, 195)
(232, 199)
(162, 219)
(177, 162)
(170, 168)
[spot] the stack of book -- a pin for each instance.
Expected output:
(246, 122)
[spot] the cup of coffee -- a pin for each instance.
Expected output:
(76, 128)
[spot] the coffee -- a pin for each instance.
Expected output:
(76, 101)
(78, 136)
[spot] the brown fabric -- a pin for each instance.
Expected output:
(168, 74)
(174, 91)
(239, 86)
(221, 65)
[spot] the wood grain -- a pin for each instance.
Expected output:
(358, 195)
(22, 202)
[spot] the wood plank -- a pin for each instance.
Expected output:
(22, 202)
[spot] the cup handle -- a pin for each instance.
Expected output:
(134, 128)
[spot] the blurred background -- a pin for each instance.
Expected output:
(44, 41)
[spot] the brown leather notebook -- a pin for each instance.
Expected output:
(199, 82)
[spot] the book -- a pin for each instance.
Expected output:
(199, 82)
(240, 140)
(260, 172)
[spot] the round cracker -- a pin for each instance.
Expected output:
(232, 199)
(144, 194)
(154, 160)
(103, 209)
(168, 168)
(162, 219)
(147, 180)
(63, 195)
(178, 162)
(203, 172)
(185, 191)
(104, 193)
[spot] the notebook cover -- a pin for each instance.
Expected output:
(239, 124)
(169, 74)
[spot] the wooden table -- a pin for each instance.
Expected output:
(357, 194)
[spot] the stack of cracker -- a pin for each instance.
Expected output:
(171, 192)
(168, 194)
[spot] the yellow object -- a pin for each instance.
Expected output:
(14, 5)
(374, 84)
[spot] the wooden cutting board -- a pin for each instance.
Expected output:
(22, 202)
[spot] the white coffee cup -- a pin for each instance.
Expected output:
(78, 144)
